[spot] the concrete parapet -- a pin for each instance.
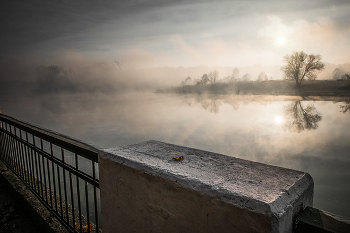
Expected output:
(144, 190)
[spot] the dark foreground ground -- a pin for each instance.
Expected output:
(12, 216)
(276, 87)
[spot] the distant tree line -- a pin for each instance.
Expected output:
(213, 78)
(298, 67)
(340, 74)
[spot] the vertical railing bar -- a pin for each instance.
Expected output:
(54, 178)
(28, 162)
(33, 169)
(78, 193)
(12, 154)
(24, 157)
(44, 173)
(36, 167)
(6, 146)
(3, 143)
(2, 146)
(40, 158)
(72, 197)
(65, 186)
(1, 140)
(18, 154)
(11, 151)
(49, 178)
(59, 188)
(79, 205)
(15, 156)
(25, 146)
(87, 207)
(24, 152)
(95, 196)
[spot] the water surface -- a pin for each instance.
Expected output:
(311, 136)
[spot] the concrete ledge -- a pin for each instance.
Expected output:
(144, 190)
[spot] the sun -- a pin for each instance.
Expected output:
(280, 40)
(278, 119)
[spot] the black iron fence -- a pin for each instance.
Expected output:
(61, 172)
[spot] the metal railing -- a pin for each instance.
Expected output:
(61, 172)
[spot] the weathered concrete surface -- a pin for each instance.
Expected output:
(144, 190)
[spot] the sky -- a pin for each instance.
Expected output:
(156, 33)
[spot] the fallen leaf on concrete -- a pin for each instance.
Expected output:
(178, 158)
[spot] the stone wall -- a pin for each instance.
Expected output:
(144, 190)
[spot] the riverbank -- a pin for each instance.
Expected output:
(274, 87)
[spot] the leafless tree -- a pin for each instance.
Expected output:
(347, 78)
(213, 76)
(186, 81)
(204, 80)
(261, 76)
(235, 75)
(300, 65)
(246, 77)
(337, 73)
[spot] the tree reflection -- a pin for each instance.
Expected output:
(345, 107)
(212, 105)
(299, 118)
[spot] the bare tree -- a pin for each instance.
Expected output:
(347, 78)
(337, 73)
(300, 66)
(204, 80)
(186, 82)
(246, 77)
(261, 76)
(235, 75)
(213, 76)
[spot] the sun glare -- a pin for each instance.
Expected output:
(280, 40)
(278, 119)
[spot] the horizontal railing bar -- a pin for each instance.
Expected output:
(63, 141)
(55, 160)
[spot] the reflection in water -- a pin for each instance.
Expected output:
(212, 103)
(247, 127)
(345, 107)
(299, 119)
(296, 117)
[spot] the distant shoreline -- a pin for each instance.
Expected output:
(319, 88)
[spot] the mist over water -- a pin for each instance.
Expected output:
(264, 129)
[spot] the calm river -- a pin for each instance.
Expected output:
(311, 136)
